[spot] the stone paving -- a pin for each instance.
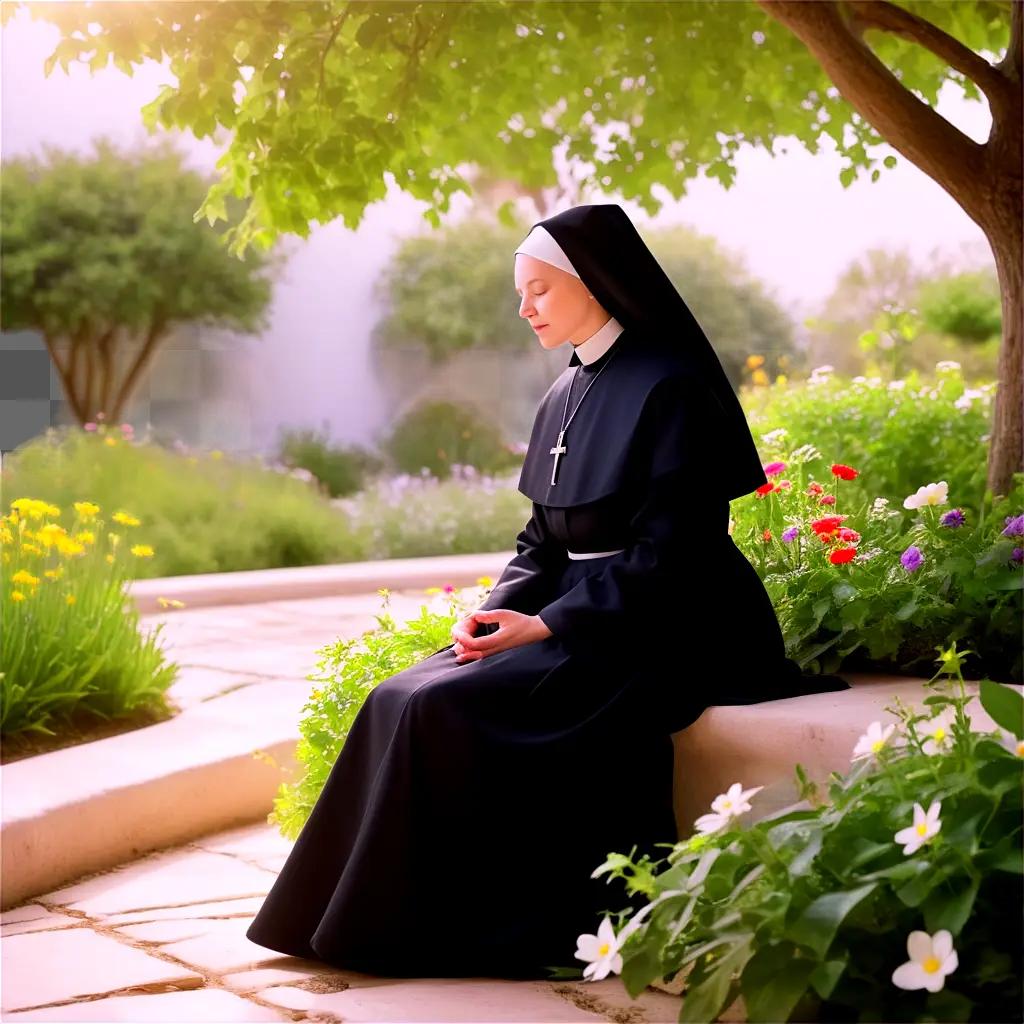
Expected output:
(163, 938)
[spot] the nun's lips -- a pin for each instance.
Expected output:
(538, 327)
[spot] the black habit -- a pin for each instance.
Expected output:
(458, 829)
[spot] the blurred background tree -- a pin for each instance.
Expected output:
(102, 257)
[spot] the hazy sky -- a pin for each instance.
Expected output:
(788, 214)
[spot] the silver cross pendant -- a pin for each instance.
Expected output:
(558, 451)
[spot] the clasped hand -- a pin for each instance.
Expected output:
(514, 629)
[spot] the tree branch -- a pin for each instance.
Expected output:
(153, 337)
(954, 160)
(63, 371)
(881, 14)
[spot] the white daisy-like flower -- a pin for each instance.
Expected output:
(926, 824)
(725, 807)
(872, 741)
(932, 957)
(936, 732)
(601, 950)
(928, 494)
(969, 397)
(947, 365)
(897, 385)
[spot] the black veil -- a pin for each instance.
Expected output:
(615, 264)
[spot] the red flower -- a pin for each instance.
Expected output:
(827, 499)
(765, 489)
(767, 535)
(850, 535)
(827, 524)
(843, 472)
(814, 489)
(840, 555)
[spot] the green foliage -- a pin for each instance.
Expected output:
(966, 306)
(453, 290)
(71, 640)
(899, 435)
(324, 100)
(348, 670)
(806, 913)
(872, 611)
(436, 435)
(101, 252)
(341, 470)
(203, 512)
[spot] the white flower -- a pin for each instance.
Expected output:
(931, 959)
(947, 365)
(928, 494)
(936, 732)
(1012, 744)
(821, 370)
(872, 741)
(897, 385)
(968, 397)
(602, 950)
(726, 806)
(860, 379)
(926, 825)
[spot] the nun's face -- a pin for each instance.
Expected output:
(555, 303)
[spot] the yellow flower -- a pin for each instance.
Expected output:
(54, 574)
(52, 510)
(142, 551)
(85, 537)
(17, 595)
(31, 507)
(125, 519)
(759, 377)
(753, 362)
(432, 590)
(50, 534)
(216, 454)
(110, 559)
(71, 599)
(170, 602)
(21, 576)
(66, 546)
(86, 509)
(485, 581)
(6, 537)
(13, 518)
(781, 379)
(383, 591)
(31, 549)
(110, 442)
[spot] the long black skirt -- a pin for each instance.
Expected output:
(458, 829)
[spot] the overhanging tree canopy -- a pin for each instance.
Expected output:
(323, 100)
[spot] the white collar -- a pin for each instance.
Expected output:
(599, 342)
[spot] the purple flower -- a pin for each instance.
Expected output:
(954, 517)
(773, 468)
(788, 535)
(1014, 526)
(1017, 556)
(912, 558)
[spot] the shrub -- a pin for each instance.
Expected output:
(203, 512)
(434, 435)
(811, 914)
(342, 471)
(899, 434)
(857, 583)
(347, 671)
(70, 635)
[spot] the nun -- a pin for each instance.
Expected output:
(479, 788)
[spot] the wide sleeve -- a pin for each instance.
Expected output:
(529, 579)
(679, 501)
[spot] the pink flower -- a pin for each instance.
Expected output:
(827, 499)
(773, 468)
(90, 426)
(449, 589)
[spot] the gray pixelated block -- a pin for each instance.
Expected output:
(24, 375)
(21, 420)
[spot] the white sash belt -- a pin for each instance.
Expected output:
(593, 554)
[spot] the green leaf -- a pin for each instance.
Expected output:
(1005, 705)
(826, 975)
(773, 983)
(705, 1000)
(950, 910)
(817, 926)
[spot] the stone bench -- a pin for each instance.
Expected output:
(760, 744)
